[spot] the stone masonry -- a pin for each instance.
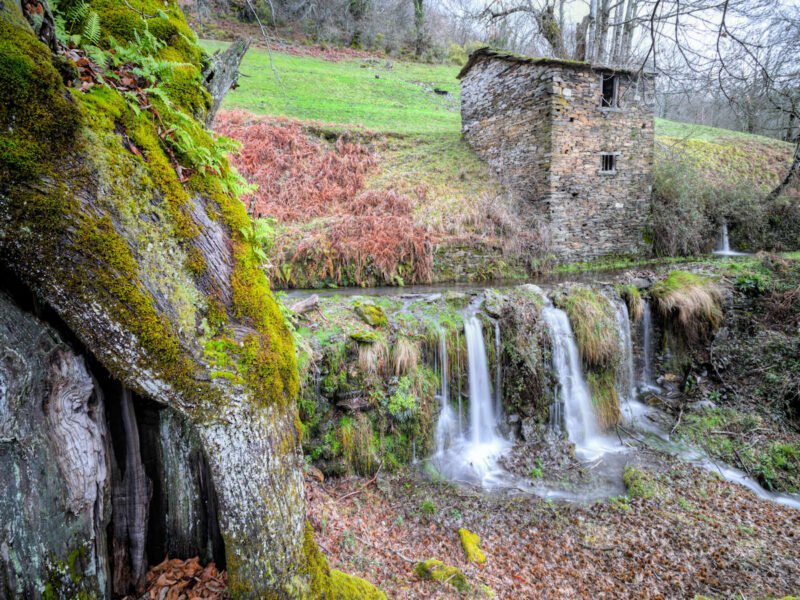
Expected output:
(578, 152)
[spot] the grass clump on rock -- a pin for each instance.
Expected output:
(633, 300)
(690, 304)
(471, 543)
(594, 325)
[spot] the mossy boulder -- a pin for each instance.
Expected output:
(436, 570)
(371, 314)
(364, 337)
(471, 543)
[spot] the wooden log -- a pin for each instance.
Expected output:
(223, 73)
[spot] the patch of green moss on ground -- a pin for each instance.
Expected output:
(638, 483)
(330, 584)
(471, 543)
(436, 570)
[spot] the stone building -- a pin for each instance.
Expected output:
(572, 140)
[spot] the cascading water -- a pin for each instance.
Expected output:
(472, 456)
(646, 380)
(573, 392)
(724, 244)
(626, 388)
(447, 430)
(498, 373)
(633, 411)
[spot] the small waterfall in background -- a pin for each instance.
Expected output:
(447, 429)
(724, 244)
(472, 456)
(573, 392)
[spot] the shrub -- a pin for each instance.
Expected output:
(406, 356)
(403, 404)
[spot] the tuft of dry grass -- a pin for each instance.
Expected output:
(406, 355)
(690, 304)
(634, 301)
(595, 328)
(373, 357)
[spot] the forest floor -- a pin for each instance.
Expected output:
(684, 533)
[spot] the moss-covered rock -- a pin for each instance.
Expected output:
(371, 314)
(436, 570)
(471, 543)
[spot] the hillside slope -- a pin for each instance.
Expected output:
(408, 117)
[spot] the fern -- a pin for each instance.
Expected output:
(91, 29)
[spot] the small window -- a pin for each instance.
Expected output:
(608, 163)
(610, 91)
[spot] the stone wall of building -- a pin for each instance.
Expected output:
(540, 125)
(593, 214)
(505, 116)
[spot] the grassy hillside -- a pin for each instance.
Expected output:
(703, 174)
(382, 95)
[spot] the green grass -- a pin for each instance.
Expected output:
(400, 99)
(675, 129)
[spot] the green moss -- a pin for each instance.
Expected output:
(371, 314)
(436, 570)
(472, 546)
(330, 584)
(638, 483)
(185, 88)
(38, 119)
(163, 19)
(66, 579)
(364, 337)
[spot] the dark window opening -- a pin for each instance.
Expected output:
(610, 91)
(608, 163)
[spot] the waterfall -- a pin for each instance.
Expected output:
(573, 392)
(724, 245)
(626, 387)
(473, 455)
(646, 381)
(458, 366)
(446, 427)
(633, 411)
(482, 418)
(498, 373)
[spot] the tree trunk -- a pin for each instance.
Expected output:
(419, 27)
(222, 74)
(791, 175)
